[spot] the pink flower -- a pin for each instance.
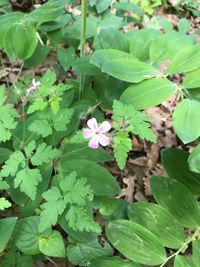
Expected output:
(33, 87)
(97, 133)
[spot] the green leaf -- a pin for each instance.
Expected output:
(20, 41)
(141, 41)
(175, 162)
(135, 242)
(186, 60)
(148, 93)
(4, 203)
(135, 121)
(62, 119)
(194, 160)
(122, 66)
(4, 154)
(51, 209)
(6, 229)
(80, 220)
(7, 117)
(101, 181)
(195, 252)
(83, 253)
(184, 25)
(159, 221)
(83, 66)
(111, 38)
(82, 151)
(38, 105)
(112, 262)
(39, 55)
(49, 11)
(26, 235)
(28, 179)
(182, 261)
(122, 145)
(76, 191)
(41, 127)
(66, 57)
(102, 5)
(177, 199)
(167, 45)
(12, 165)
(52, 245)
(186, 120)
(44, 154)
(192, 79)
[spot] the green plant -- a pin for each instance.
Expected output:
(57, 196)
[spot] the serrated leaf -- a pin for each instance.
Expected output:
(7, 117)
(38, 105)
(4, 203)
(44, 154)
(11, 166)
(122, 145)
(52, 245)
(55, 104)
(136, 121)
(80, 220)
(62, 119)
(76, 191)
(41, 127)
(51, 209)
(27, 180)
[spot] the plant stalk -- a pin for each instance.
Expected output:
(83, 41)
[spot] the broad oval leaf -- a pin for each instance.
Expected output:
(141, 41)
(101, 181)
(148, 93)
(6, 230)
(186, 120)
(26, 235)
(167, 45)
(52, 245)
(182, 261)
(82, 151)
(112, 262)
(122, 66)
(194, 160)
(176, 198)
(175, 162)
(192, 80)
(20, 40)
(80, 254)
(159, 221)
(135, 242)
(195, 252)
(185, 60)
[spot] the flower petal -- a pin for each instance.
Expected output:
(94, 142)
(92, 124)
(87, 133)
(104, 127)
(104, 140)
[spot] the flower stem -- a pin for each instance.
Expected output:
(83, 40)
(184, 246)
